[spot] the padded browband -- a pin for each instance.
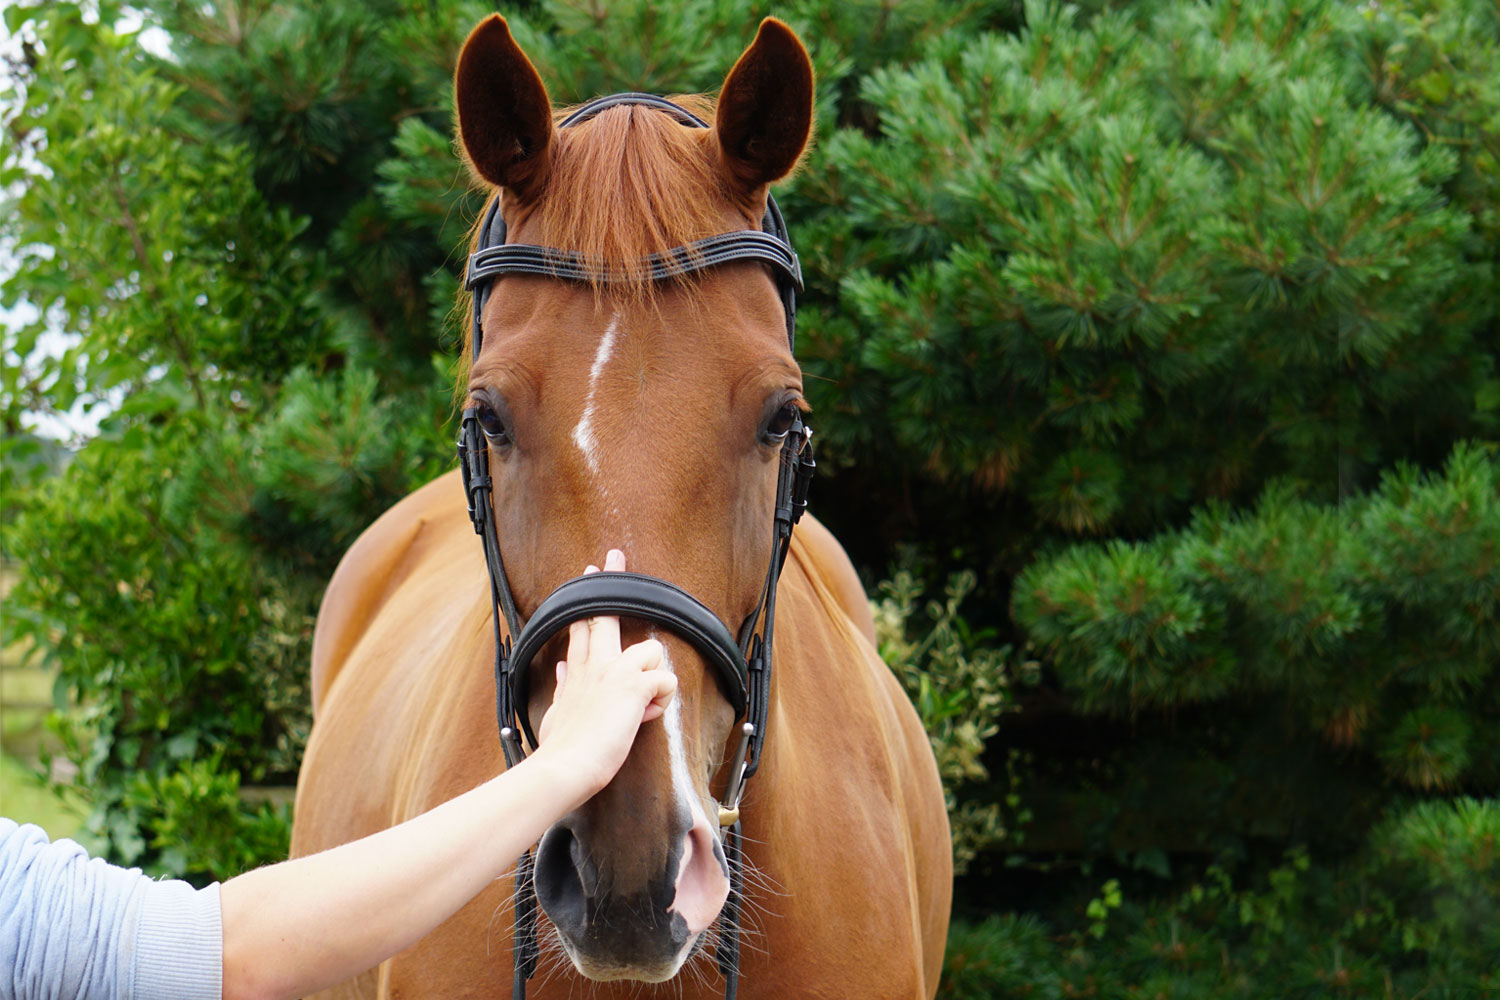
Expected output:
(726, 248)
(635, 595)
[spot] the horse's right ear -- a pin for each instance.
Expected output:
(504, 115)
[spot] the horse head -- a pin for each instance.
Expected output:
(644, 415)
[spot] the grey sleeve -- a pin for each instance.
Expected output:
(77, 928)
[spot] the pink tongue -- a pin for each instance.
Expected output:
(701, 884)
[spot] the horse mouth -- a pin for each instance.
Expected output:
(606, 970)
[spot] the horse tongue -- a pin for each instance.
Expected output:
(702, 884)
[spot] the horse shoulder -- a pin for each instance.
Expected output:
(823, 557)
(369, 573)
(892, 743)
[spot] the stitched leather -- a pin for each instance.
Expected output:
(725, 248)
(634, 595)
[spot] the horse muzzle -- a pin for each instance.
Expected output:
(615, 927)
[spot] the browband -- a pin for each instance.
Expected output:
(744, 244)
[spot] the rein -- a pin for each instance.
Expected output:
(743, 662)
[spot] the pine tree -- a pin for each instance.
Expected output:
(1172, 325)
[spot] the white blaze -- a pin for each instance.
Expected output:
(583, 434)
(682, 782)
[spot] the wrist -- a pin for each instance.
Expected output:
(575, 777)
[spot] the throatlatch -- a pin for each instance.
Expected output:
(743, 662)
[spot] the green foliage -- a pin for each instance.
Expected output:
(999, 958)
(1377, 621)
(1130, 229)
(176, 279)
(336, 451)
(1432, 62)
(1444, 857)
(1100, 907)
(1412, 917)
(169, 572)
(960, 688)
(151, 623)
(199, 823)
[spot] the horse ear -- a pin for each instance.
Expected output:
(765, 108)
(504, 115)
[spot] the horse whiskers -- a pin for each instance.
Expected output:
(752, 926)
(506, 903)
(763, 883)
(693, 966)
(552, 958)
(757, 884)
(699, 971)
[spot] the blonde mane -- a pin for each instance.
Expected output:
(628, 183)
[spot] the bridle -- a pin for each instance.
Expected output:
(742, 662)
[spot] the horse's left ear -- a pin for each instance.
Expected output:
(765, 108)
(504, 115)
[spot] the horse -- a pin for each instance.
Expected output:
(642, 414)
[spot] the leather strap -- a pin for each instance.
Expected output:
(635, 595)
(745, 244)
(598, 104)
(728, 952)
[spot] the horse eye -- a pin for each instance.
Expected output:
(492, 425)
(781, 423)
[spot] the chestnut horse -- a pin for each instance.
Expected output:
(641, 415)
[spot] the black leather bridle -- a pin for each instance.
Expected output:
(742, 663)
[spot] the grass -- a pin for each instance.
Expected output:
(26, 798)
(25, 701)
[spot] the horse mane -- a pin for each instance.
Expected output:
(630, 182)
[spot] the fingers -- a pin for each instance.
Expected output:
(578, 633)
(604, 631)
(604, 635)
(644, 655)
(662, 686)
(658, 685)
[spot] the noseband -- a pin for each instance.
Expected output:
(742, 663)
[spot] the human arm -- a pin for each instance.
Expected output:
(76, 926)
(296, 927)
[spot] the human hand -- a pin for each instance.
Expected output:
(603, 696)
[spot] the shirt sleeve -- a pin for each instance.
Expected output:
(77, 928)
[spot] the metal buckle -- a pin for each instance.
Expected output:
(729, 811)
(804, 439)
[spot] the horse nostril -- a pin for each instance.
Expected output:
(588, 872)
(561, 870)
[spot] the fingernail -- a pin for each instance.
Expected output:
(591, 569)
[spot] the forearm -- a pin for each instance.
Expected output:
(304, 924)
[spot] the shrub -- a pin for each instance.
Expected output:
(960, 687)
(1413, 917)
